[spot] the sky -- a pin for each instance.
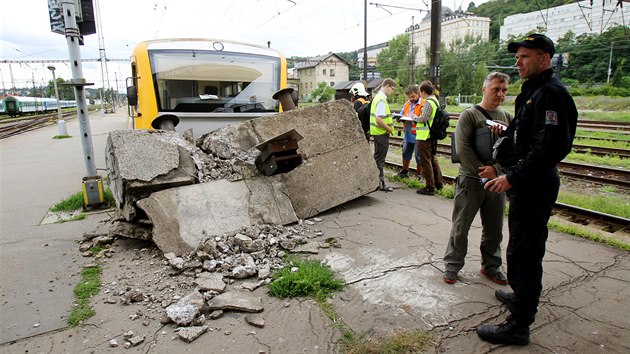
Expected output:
(294, 27)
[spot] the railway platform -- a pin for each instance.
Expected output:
(390, 258)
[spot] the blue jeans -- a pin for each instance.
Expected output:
(408, 149)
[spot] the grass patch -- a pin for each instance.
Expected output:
(608, 160)
(71, 203)
(609, 204)
(79, 216)
(402, 342)
(601, 135)
(62, 136)
(75, 202)
(96, 249)
(88, 286)
(603, 143)
(589, 235)
(304, 277)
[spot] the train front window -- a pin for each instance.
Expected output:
(205, 81)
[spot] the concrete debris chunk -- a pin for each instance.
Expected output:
(135, 341)
(255, 320)
(189, 334)
(238, 300)
(184, 311)
(210, 281)
(140, 162)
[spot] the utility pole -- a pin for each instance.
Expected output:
(610, 62)
(52, 68)
(103, 59)
(411, 55)
(365, 57)
(436, 33)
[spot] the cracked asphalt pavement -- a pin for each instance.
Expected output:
(390, 257)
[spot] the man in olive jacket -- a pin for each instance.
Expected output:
(470, 196)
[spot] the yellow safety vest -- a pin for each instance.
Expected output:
(374, 128)
(422, 129)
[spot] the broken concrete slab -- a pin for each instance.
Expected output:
(238, 300)
(186, 216)
(141, 162)
(338, 166)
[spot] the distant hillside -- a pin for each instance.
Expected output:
(497, 10)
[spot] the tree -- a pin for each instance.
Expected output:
(66, 92)
(393, 61)
(354, 72)
(323, 93)
(463, 65)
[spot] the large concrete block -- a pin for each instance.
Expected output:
(186, 216)
(142, 162)
(327, 180)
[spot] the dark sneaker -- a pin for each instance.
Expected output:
(503, 296)
(508, 332)
(403, 173)
(497, 277)
(426, 191)
(449, 277)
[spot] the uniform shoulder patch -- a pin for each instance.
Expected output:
(551, 118)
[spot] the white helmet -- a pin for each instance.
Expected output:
(358, 89)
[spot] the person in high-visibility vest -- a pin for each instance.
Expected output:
(381, 126)
(411, 109)
(427, 145)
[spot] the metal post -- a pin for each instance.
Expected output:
(436, 34)
(72, 38)
(365, 57)
(610, 63)
(52, 68)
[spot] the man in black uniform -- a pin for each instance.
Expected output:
(539, 137)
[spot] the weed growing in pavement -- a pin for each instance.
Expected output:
(62, 136)
(447, 191)
(589, 235)
(94, 250)
(79, 216)
(411, 341)
(71, 203)
(88, 286)
(304, 277)
(75, 202)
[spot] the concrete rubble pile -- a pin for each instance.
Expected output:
(219, 275)
(194, 192)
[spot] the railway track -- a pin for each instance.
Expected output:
(618, 127)
(581, 171)
(12, 127)
(610, 223)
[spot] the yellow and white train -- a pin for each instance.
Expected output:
(204, 83)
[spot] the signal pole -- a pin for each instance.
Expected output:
(436, 34)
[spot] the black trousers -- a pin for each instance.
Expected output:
(530, 209)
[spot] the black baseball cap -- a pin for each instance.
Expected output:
(534, 41)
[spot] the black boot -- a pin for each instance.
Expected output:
(503, 296)
(508, 332)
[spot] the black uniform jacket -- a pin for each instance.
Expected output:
(543, 129)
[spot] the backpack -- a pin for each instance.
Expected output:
(364, 117)
(437, 129)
